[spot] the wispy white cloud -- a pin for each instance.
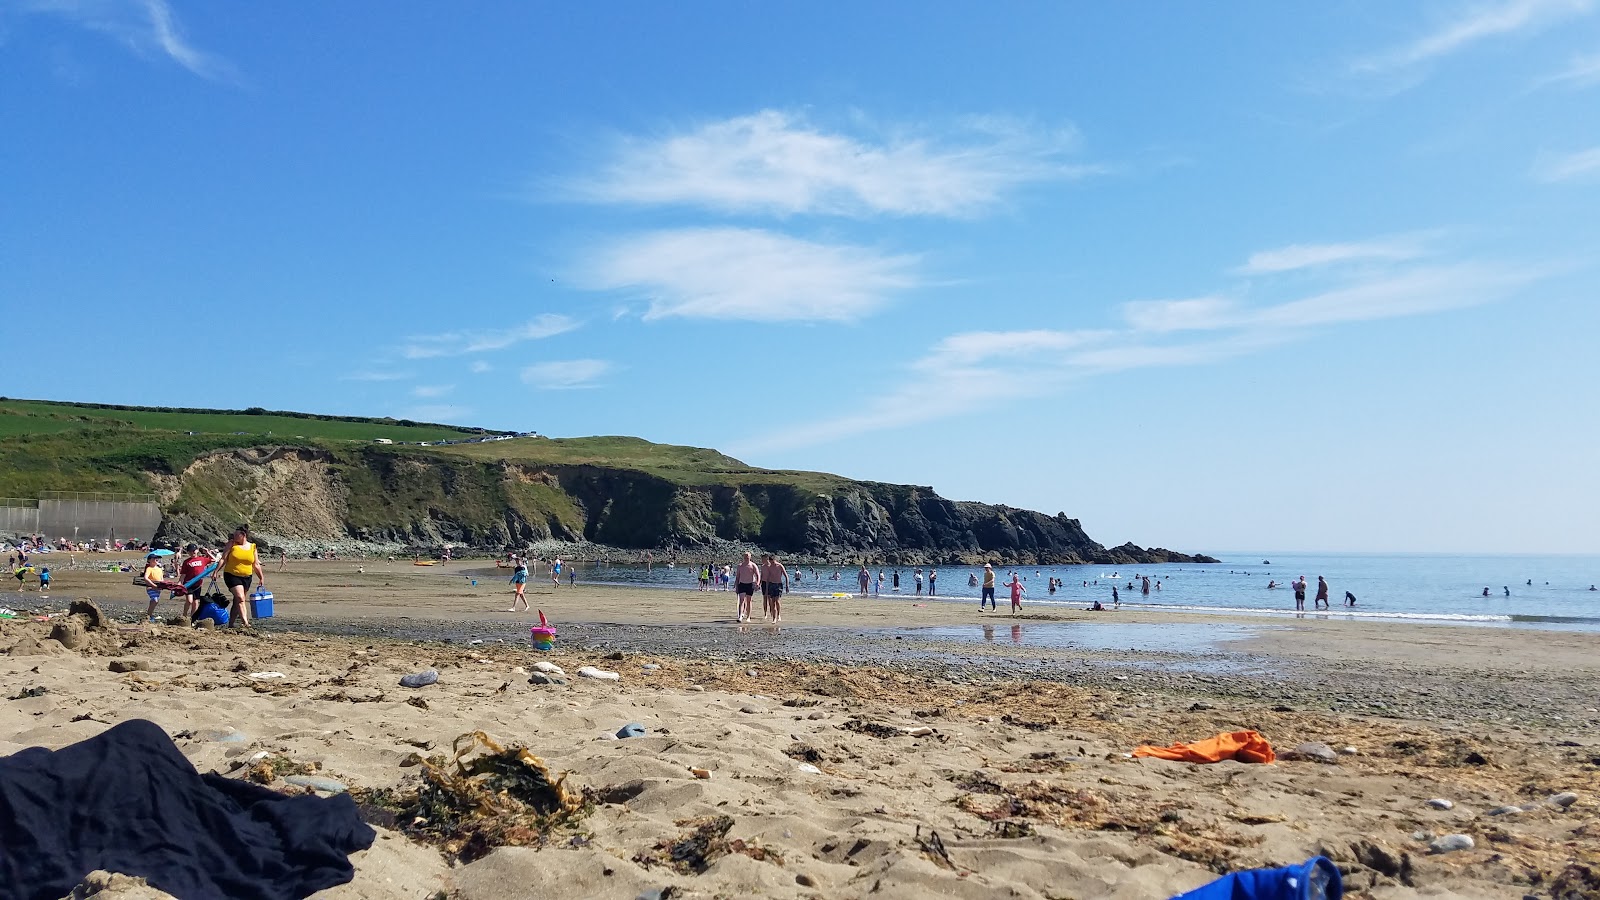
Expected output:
(776, 162)
(566, 374)
(442, 413)
(1581, 72)
(377, 375)
(983, 370)
(430, 391)
(1584, 164)
(1473, 24)
(1196, 314)
(749, 274)
(1306, 256)
(148, 27)
(479, 367)
(457, 343)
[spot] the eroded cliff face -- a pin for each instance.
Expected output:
(425, 500)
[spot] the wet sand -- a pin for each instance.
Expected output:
(1023, 774)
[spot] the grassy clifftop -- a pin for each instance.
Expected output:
(326, 479)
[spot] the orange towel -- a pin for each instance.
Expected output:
(1245, 746)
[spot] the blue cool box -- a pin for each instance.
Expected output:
(261, 605)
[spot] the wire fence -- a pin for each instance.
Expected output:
(18, 503)
(97, 497)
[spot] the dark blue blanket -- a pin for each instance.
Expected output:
(129, 801)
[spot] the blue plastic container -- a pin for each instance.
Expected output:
(261, 604)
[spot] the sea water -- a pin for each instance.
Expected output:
(1419, 587)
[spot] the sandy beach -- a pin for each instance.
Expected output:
(944, 764)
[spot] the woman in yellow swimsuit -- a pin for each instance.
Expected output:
(239, 563)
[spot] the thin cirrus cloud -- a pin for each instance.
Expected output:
(460, 343)
(147, 27)
(567, 374)
(1582, 72)
(1473, 25)
(377, 375)
(775, 162)
(431, 391)
(750, 275)
(976, 370)
(1306, 256)
(1582, 165)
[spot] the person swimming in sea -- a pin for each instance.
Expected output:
(1486, 592)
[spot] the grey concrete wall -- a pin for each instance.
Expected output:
(19, 519)
(85, 519)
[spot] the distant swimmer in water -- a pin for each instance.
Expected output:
(1486, 592)
(1272, 585)
(1530, 582)
(1591, 587)
(1507, 590)
(1349, 599)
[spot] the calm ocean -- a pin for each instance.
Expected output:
(1423, 588)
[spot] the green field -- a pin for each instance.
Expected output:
(677, 464)
(19, 417)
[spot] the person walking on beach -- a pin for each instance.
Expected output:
(555, 573)
(745, 579)
(1321, 601)
(239, 564)
(865, 578)
(519, 580)
(1300, 594)
(918, 576)
(190, 571)
(1116, 598)
(988, 587)
(933, 582)
(1016, 592)
(777, 580)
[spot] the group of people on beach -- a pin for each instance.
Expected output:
(1320, 601)
(237, 565)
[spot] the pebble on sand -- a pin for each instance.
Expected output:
(1451, 843)
(1441, 803)
(600, 674)
(1564, 799)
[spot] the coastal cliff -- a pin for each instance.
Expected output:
(385, 495)
(371, 484)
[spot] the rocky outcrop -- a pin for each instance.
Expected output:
(381, 496)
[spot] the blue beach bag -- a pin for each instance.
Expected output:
(1314, 879)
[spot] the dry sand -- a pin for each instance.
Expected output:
(1024, 782)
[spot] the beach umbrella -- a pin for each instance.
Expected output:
(159, 553)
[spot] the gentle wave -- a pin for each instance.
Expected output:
(1345, 613)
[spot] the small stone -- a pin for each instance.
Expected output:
(317, 783)
(752, 672)
(542, 678)
(1201, 707)
(549, 668)
(631, 730)
(696, 688)
(420, 679)
(1422, 835)
(702, 774)
(660, 893)
(751, 709)
(1505, 811)
(805, 880)
(617, 655)
(222, 735)
(650, 667)
(1563, 800)
(598, 674)
(129, 665)
(1349, 751)
(1441, 803)
(1315, 751)
(1451, 843)
(819, 714)
(809, 769)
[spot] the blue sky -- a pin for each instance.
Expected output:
(1207, 276)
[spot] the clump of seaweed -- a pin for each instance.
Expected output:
(485, 796)
(705, 841)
